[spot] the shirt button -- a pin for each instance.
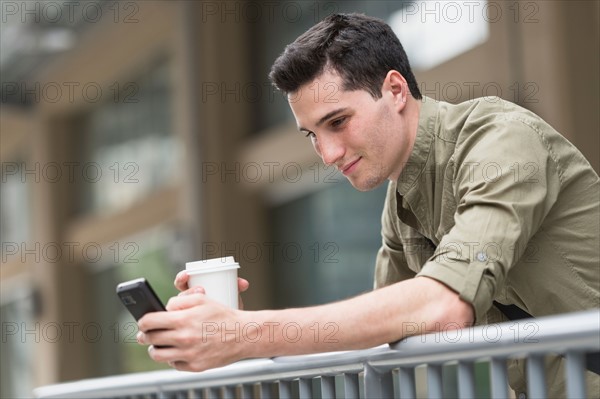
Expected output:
(522, 395)
(482, 257)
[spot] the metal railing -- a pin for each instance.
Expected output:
(395, 371)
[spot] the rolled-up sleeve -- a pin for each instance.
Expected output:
(505, 183)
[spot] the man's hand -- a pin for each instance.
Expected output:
(181, 283)
(195, 333)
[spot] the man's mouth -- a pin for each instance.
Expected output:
(350, 167)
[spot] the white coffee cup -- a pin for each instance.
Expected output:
(218, 277)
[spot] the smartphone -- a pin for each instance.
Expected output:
(139, 298)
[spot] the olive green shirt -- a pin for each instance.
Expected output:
(497, 205)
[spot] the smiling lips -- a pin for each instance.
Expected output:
(349, 168)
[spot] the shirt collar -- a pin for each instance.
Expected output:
(414, 167)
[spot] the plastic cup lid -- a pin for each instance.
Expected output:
(212, 265)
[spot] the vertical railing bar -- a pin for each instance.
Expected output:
(350, 387)
(434, 381)
(193, 394)
(536, 380)
(499, 378)
(575, 375)
(361, 384)
(211, 393)
(247, 391)
(285, 389)
(304, 388)
(466, 380)
(228, 392)
(406, 383)
(327, 387)
(265, 390)
(377, 384)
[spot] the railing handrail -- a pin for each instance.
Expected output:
(553, 334)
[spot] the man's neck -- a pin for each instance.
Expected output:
(411, 113)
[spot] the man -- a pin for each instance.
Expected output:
(486, 202)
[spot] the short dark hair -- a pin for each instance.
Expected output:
(360, 48)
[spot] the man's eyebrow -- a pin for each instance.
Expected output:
(331, 114)
(325, 117)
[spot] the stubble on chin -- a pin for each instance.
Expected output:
(371, 182)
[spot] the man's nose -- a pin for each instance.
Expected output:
(331, 150)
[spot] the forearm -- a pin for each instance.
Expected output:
(197, 334)
(385, 315)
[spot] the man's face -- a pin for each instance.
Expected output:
(363, 137)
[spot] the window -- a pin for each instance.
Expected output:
(19, 334)
(433, 32)
(132, 151)
(326, 245)
(14, 203)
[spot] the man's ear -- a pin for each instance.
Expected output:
(396, 86)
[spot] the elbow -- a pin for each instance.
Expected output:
(451, 316)
(458, 314)
(447, 310)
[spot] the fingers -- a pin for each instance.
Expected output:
(164, 355)
(180, 302)
(179, 358)
(194, 290)
(181, 366)
(152, 321)
(158, 338)
(173, 358)
(243, 284)
(171, 347)
(179, 335)
(181, 280)
(170, 319)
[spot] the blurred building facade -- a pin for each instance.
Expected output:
(136, 136)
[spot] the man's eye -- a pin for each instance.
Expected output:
(310, 134)
(338, 122)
